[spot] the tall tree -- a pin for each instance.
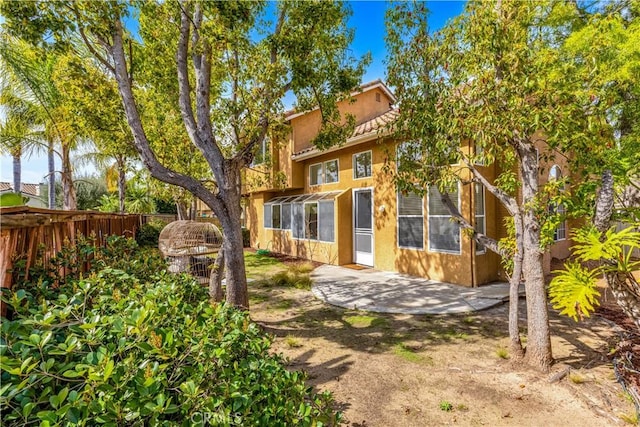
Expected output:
(490, 78)
(92, 98)
(233, 65)
(33, 69)
(19, 129)
(610, 40)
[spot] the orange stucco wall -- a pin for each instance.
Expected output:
(466, 268)
(363, 106)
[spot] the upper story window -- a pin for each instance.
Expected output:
(560, 233)
(408, 156)
(362, 165)
(480, 214)
(262, 154)
(444, 234)
(324, 173)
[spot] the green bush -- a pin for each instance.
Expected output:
(123, 348)
(149, 233)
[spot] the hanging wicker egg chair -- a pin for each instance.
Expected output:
(188, 246)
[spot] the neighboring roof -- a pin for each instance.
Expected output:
(29, 189)
(365, 87)
(363, 132)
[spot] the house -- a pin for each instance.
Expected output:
(31, 191)
(339, 206)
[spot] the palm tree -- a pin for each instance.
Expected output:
(20, 129)
(33, 71)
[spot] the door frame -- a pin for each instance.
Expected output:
(353, 223)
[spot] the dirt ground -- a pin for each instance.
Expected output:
(419, 370)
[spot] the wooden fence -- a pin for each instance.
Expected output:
(36, 235)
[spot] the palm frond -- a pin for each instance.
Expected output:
(574, 291)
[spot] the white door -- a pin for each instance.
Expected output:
(363, 226)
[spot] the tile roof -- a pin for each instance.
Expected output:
(30, 189)
(370, 127)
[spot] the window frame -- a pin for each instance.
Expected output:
(324, 171)
(321, 177)
(559, 207)
(399, 216)
(483, 216)
(264, 155)
(273, 208)
(353, 164)
(429, 249)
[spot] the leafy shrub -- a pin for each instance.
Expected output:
(149, 233)
(46, 279)
(132, 345)
(125, 349)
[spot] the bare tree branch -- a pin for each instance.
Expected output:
(481, 238)
(157, 170)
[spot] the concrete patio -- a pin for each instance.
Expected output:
(387, 292)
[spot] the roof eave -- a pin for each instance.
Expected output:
(350, 142)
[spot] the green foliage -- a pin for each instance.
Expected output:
(574, 289)
(149, 233)
(12, 199)
(446, 406)
(89, 190)
(144, 348)
(47, 279)
(292, 278)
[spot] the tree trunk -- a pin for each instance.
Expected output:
(215, 280)
(623, 286)
(538, 350)
(51, 177)
(17, 171)
(515, 345)
(604, 203)
(121, 184)
(627, 295)
(68, 192)
(225, 203)
(235, 275)
(182, 210)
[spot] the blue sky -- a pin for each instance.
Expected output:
(368, 21)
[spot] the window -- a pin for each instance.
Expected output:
(479, 149)
(308, 216)
(560, 233)
(315, 174)
(408, 156)
(311, 221)
(331, 171)
(262, 152)
(286, 216)
(444, 234)
(362, 165)
(480, 222)
(410, 221)
(275, 216)
(267, 216)
(325, 226)
(326, 172)
(297, 220)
